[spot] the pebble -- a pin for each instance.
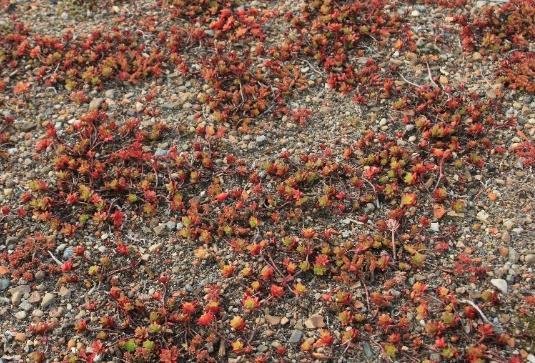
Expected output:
(529, 259)
(16, 297)
(68, 253)
(500, 284)
(314, 322)
(39, 275)
(159, 229)
(48, 299)
(415, 13)
(35, 297)
(295, 336)
(506, 237)
(95, 103)
(273, 320)
(4, 284)
(110, 93)
(261, 139)
(482, 216)
(513, 256)
(25, 305)
(20, 315)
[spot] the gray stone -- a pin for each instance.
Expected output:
(25, 305)
(530, 259)
(95, 103)
(68, 253)
(35, 297)
(24, 289)
(20, 315)
(295, 337)
(367, 350)
(513, 256)
(110, 93)
(16, 297)
(64, 292)
(160, 152)
(500, 284)
(315, 322)
(482, 216)
(159, 229)
(4, 284)
(261, 139)
(39, 275)
(48, 299)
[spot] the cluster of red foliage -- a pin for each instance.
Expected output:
(6, 122)
(499, 28)
(334, 33)
(99, 165)
(518, 71)
(241, 91)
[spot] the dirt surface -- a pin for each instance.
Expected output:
(328, 180)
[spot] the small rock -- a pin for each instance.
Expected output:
(95, 103)
(260, 139)
(284, 320)
(68, 253)
(513, 256)
(159, 229)
(4, 284)
(20, 337)
(27, 126)
(25, 305)
(34, 298)
(415, 13)
(273, 320)
(529, 259)
(48, 299)
(508, 224)
(295, 337)
(39, 275)
(506, 237)
(435, 227)
(170, 225)
(500, 284)
(24, 289)
(314, 322)
(16, 297)
(56, 313)
(482, 216)
(110, 93)
(20, 315)
(64, 291)
(367, 350)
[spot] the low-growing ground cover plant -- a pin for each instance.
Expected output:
(267, 181)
